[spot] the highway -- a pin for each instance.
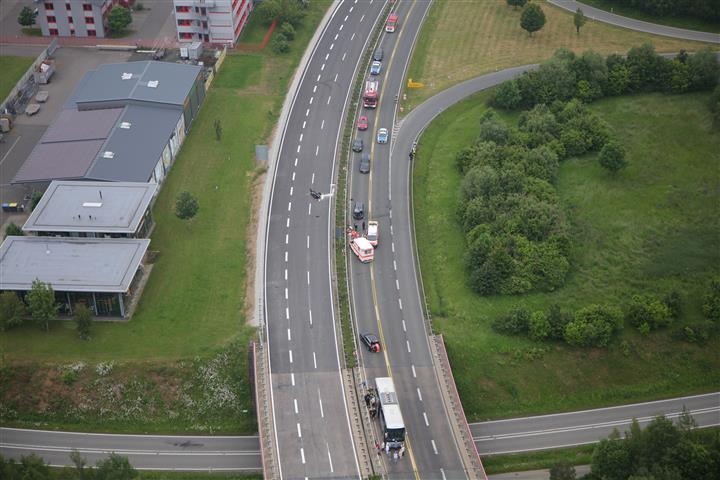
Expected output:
(311, 417)
(632, 24)
(384, 294)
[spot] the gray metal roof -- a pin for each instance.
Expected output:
(134, 80)
(70, 206)
(70, 264)
(137, 149)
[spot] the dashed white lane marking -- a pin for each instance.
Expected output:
(341, 27)
(293, 177)
(353, 37)
(407, 342)
(309, 210)
(362, 18)
(287, 313)
(296, 160)
(391, 229)
(314, 91)
(392, 245)
(296, 406)
(289, 206)
(287, 223)
(322, 412)
(329, 98)
(327, 55)
(322, 67)
(346, 17)
(351, 9)
(312, 178)
(404, 326)
(299, 431)
(336, 76)
(311, 100)
(298, 149)
(336, 36)
(400, 303)
(286, 278)
(308, 277)
(390, 214)
(317, 150)
(289, 336)
(287, 239)
(394, 265)
(291, 190)
(286, 256)
(302, 455)
(290, 355)
(343, 57)
(310, 316)
(412, 367)
(286, 297)
(322, 125)
(304, 122)
(292, 379)
(318, 79)
(307, 243)
(419, 394)
(442, 472)
(427, 424)
(436, 452)
(329, 458)
(314, 360)
(397, 282)
(307, 112)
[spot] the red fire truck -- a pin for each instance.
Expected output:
(391, 23)
(370, 97)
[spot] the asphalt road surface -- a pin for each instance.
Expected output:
(385, 295)
(632, 24)
(313, 434)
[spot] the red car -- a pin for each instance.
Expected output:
(362, 123)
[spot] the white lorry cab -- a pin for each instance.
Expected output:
(373, 233)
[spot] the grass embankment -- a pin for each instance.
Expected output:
(689, 23)
(520, 462)
(194, 303)
(652, 229)
(461, 40)
(13, 68)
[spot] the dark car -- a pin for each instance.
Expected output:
(359, 211)
(371, 341)
(365, 163)
(378, 54)
(357, 145)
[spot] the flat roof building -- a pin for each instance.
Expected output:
(93, 209)
(96, 272)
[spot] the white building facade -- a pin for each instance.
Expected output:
(212, 21)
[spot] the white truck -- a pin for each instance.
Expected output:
(373, 233)
(361, 247)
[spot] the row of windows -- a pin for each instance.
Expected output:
(88, 20)
(185, 9)
(90, 33)
(86, 6)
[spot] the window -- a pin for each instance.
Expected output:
(87, 7)
(203, 11)
(51, 19)
(49, 6)
(53, 31)
(72, 31)
(68, 7)
(186, 35)
(70, 20)
(184, 23)
(92, 33)
(182, 9)
(89, 20)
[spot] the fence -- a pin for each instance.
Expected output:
(25, 88)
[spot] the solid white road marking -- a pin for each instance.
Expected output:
(442, 472)
(412, 367)
(314, 360)
(296, 407)
(322, 413)
(302, 455)
(427, 424)
(329, 457)
(290, 355)
(299, 431)
(419, 394)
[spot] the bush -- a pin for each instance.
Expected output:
(35, 199)
(83, 321)
(288, 30)
(558, 320)
(593, 326)
(507, 96)
(698, 332)
(646, 310)
(493, 129)
(516, 322)
(711, 301)
(280, 44)
(612, 157)
(14, 230)
(674, 302)
(539, 326)
(12, 310)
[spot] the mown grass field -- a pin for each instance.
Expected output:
(13, 68)
(689, 23)
(461, 40)
(194, 303)
(652, 229)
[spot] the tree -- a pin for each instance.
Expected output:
(12, 310)
(612, 157)
(13, 229)
(532, 18)
(562, 471)
(41, 303)
(593, 326)
(517, 3)
(119, 19)
(579, 19)
(83, 321)
(288, 30)
(27, 17)
(80, 463)
(280, 43)
(268, 11)
(35, 199)
(115, 467)
(186, 206)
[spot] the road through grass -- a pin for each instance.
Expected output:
(689, 23)
(461, 40)
(652, 229)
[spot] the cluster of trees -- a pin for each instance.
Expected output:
(516, 232)
(703, 9)
(41, 309)
(289, 14)
(114, 467)
(591, 76)
(119, 19)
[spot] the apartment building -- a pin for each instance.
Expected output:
(74, 18)
(213, 21)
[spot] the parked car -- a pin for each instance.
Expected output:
(365, 163)
(371, 341)
(357, 145)
(378, 54)
(362, 123)
(375, 68)
(382, 135)
(359, 211)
